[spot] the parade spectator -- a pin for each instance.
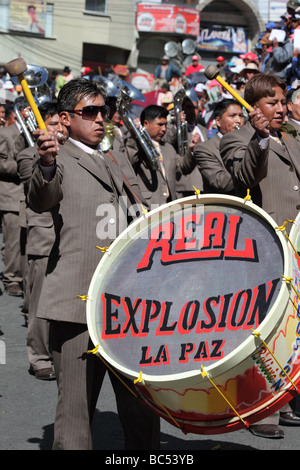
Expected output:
(194, 67)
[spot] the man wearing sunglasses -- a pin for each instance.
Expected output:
(74, 182)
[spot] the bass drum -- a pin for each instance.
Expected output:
(194, 303)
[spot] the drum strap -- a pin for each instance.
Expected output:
(127, 184)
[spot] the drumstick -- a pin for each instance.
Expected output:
(212, 72)
(17, 67)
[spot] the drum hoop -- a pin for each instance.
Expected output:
(247, 347)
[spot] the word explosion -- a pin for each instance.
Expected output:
(198, 323)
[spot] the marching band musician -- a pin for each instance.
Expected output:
(76, 184)
(40, 237)
(228, 116)
(198, 134)
(11, 191)
(266, 161)
(158, 186)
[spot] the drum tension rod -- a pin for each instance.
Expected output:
(257, 334)
(205, 374)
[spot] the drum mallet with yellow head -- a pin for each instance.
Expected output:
(16, 68)
(212, 72)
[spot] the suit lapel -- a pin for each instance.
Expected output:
(293, 150)
(94, 165)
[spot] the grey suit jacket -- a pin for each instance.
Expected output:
(272, 175)
(11, 189)
(83, 198)
(216, 179)
(40, 225)
(154, 188)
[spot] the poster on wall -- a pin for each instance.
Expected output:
(28, 16)
(167, 19)
(222, 38)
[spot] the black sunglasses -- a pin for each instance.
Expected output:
(89, 113)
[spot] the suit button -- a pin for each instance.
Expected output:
(296, 188)
(298, 207)
(165, 194)
(112, 198)
(111, 221)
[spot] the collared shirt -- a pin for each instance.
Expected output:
(84, 147)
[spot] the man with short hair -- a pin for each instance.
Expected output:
(228, 116)
(40, 237)
(165, 71)
(11, 190)
(74, 186)
(158, 186)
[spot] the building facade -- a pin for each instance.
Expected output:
(63, 33)
(105, 33)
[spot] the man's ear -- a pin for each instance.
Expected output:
(65, 118)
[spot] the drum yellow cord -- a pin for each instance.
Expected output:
(95, 351)
(257, 334)
(205, 374)
(139, 380)
(289, 280)
(282, 229)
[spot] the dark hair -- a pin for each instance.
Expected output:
(75, 90)
(262, 85)
(49, 108)
(152, 112)
(9, 109)
(223, 105)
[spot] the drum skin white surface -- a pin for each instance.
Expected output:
(196, 302)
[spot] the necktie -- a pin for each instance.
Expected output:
(162, 166)
(276, 138)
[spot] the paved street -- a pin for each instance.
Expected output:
(27, 406)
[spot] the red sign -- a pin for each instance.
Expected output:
(168, 18)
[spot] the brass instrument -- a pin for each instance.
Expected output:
(112, 92)
(23, 125)
(127, 94)
(109, 136)
(182, 130)
(19, 73)
(35, 78)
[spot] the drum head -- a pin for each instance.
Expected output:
(184, 287)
